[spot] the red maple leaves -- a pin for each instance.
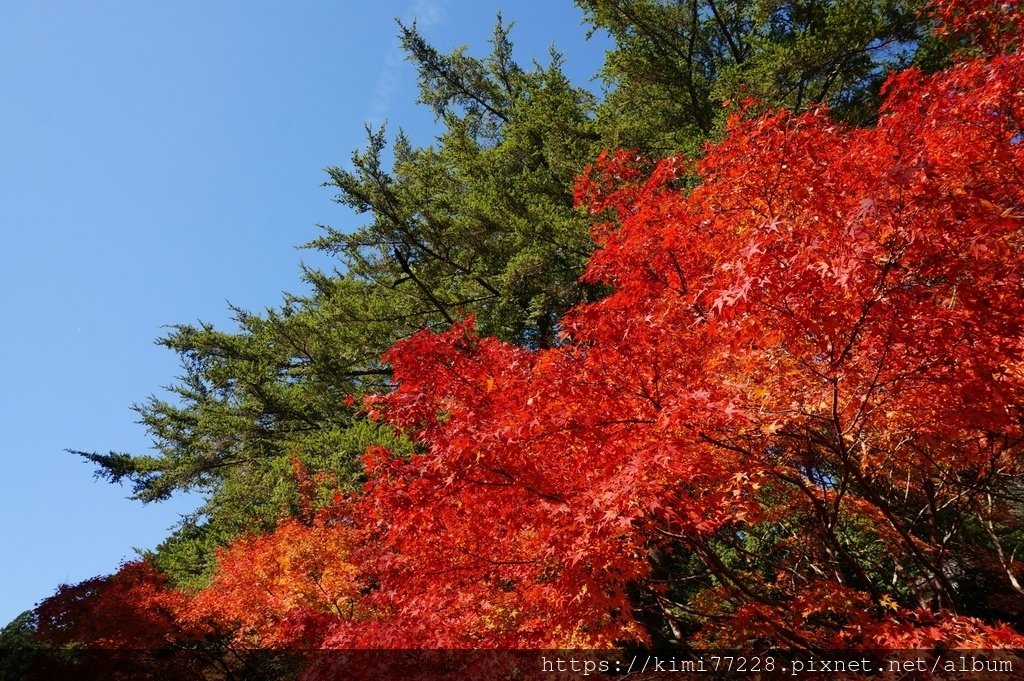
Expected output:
(820, 346)
(131, 609)
(993, 25)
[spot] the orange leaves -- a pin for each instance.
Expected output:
(269, 588)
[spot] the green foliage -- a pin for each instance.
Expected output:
(676, 62)
(19, 650)
(483, 222)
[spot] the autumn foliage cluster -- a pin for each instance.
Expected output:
(795, 421)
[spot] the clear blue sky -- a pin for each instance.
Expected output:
(158, 159)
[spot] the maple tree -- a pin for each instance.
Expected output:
(126, 625)
(278, 590)
(133, 608)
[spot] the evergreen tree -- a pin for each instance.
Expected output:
(675, 63)
(480, 223)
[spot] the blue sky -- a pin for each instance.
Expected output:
(158, 160)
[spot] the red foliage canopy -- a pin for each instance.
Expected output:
(131, 609)
(813, 358)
